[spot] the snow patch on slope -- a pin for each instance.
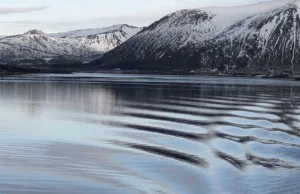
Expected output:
(88, 32)
(207, 23)
(81, 43)
(36, 44)
(101, 39)
(263, 35)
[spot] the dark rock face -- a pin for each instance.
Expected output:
(237, 40)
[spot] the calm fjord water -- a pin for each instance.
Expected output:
(129, 134)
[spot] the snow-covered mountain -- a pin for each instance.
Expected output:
(102, 39)
(36, 44)
(83, 43)
(255, 38)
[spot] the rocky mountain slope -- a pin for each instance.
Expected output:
(36, 44)
(257, 38)
(102, 39)
(72, 45)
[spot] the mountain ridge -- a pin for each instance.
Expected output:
(253, 38)
(93, 31)
(36, 44)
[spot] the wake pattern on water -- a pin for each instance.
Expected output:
(255, 124)
(149, 136)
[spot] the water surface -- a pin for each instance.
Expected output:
(130, 134)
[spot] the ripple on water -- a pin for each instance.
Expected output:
(139, 134)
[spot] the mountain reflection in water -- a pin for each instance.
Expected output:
(105, 133)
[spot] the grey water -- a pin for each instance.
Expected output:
(140, 134)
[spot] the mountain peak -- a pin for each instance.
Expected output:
(86, 42)
(34, 32)
(120, 26)
(97, 31)
(257, 38)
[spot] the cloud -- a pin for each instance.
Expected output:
(11, 10)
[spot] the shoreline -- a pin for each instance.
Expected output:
(8, 71)
(138, 72)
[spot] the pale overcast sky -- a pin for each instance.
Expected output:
(18, 16)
